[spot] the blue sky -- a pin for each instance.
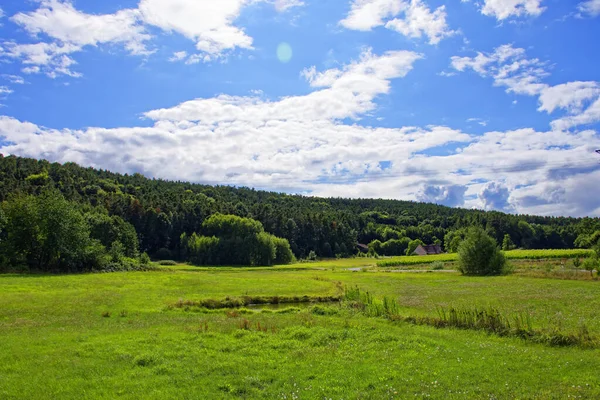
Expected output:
(491, 104)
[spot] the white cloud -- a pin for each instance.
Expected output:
(299, 144)
(295, 155)
(63, 30)
(49, 58)
(509, 67)
(588, 116)
(285, 5)
(503, 9)
(18, 80)
(418, 20)
(208, 23)
(590, 7)
(61, 21)
(571, 96)
(70, 31)
(365, 15)
(345, 93)
(4, 90)
(178, 56)
(1, 13)
(479, 121)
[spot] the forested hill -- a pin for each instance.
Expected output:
(161, 211)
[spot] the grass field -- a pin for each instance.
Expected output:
(511, 255)
(118, 335)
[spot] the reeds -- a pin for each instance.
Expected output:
(490, 320)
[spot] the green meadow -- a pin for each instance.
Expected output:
(129, 335)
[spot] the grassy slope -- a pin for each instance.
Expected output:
(55, 342)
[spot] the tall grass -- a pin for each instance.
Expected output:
(244, 301)
(490, 320)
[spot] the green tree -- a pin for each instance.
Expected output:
(113, 229)
(375, 247)
(507, 243)
(479, 254)
(591, 264)
(283, 252)
(395, 247)
(47, 233)
(412, 246)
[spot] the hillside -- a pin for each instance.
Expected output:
(161, 211)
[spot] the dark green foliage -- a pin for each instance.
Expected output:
(507, 243)
(479, 254)
(109, 230)
(395, 247)
(375, 247)
(161, 211)
(283, 252)
(235, 240)
(163, 254)
(144, 259)
(167, 262)
(453, 239)
(46, 233)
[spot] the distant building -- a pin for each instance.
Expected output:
(428, 250)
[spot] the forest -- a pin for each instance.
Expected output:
(169, 219)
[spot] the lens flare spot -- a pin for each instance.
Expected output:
(284, 52)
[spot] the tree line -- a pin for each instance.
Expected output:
(166, 215)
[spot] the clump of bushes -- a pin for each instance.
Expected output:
(233, 240)
(437, 265)
(479, 254)
(167, 262)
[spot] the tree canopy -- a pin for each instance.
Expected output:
(161, 211)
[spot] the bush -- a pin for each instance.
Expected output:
(478, 254)
(395, 247)
(437, 265)
(145, 259)
(167, 262)
(283, 252)
(235, 241)
(591, 264)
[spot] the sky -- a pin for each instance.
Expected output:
(488, 104)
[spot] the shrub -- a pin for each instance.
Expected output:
(235, 241)
(478, 254)
(283, 252)
(167, 262)
(591, 264)
(312, 256)
(145, 259)
(395, 247)
(437, 265)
